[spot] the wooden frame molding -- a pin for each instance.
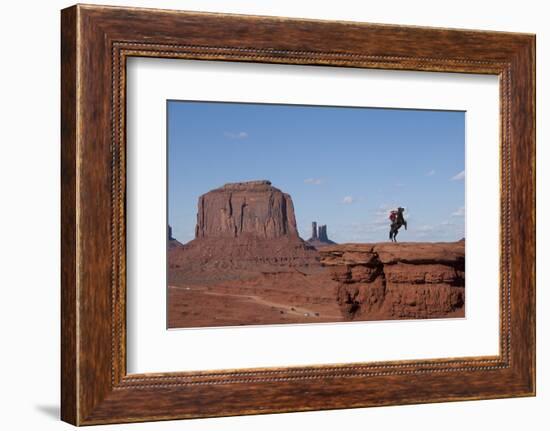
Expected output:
(95, 43)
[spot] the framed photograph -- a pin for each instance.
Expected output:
(238, 247)
(264, 214)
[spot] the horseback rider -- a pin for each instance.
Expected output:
(397, 220)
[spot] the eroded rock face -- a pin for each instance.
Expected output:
(254, 208)
(397, 281)
(243, 228)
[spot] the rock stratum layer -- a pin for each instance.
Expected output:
(397, 281)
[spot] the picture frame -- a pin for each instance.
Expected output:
(96, 42)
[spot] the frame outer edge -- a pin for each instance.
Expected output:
(532, 101)
(87, 397)
(530, 62)
(523, 208)
(533, 54)
(69, 201)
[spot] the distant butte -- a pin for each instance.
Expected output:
(319, 236)
(172, 242)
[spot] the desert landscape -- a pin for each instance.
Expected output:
(247, 265)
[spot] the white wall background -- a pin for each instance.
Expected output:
(29, 215)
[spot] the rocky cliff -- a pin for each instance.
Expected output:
(254, 208)
(247, 227)
(397, 281)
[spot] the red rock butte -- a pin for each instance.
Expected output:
(244, 227)
(253, 208)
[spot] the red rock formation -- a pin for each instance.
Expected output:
(172, 242)
(397, 281)
(319, 236)
(254, 208)
(242, 228)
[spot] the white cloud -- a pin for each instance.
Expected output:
(459, 177)
(459, 212)
(235, 135)
(430, 173)
(347, 200)
(314, 181)
(426, 228)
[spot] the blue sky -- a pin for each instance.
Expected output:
(343, 167)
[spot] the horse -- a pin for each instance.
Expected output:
(396, 225)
